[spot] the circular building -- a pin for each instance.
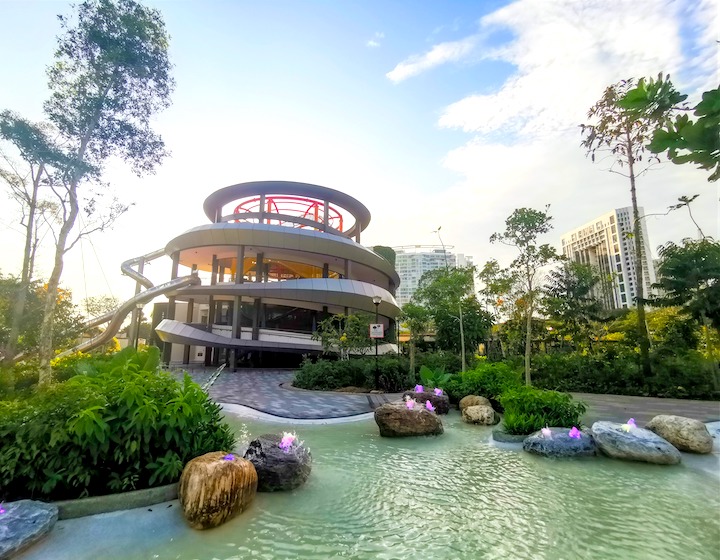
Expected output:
(277, 258)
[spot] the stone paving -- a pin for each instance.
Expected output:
(262, 390)
(269, 391)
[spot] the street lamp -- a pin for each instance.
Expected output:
(138, 315)
(376, 301)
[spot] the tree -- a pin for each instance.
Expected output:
(618, 132)
(689, 276)
(344, 334)
(522, 229)
(448, 295)
(684, 140)
(111, 75)
(417, 320)
(569, 300)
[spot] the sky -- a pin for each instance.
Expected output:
(433, 114)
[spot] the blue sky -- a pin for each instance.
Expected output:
(432, 114)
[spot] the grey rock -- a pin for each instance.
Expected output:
(396, 420)
(684, 433)
(276, 468)
(560, 444)
(473, 400)
(500, 435)
(440, 402)
(480, 414)
(638, 444)
(24, 523)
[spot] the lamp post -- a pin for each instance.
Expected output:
(376, 301)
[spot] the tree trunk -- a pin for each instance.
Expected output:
(643, 338)
(27, 270)
(45, 348)
(462, 336)
(528, 341)
(412, 358)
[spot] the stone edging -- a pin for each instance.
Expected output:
(70, 509)
(504, 437)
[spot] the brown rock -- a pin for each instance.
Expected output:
(214, 489)
(396, 420)
(480, 414)
(473, 400)
(686, 434)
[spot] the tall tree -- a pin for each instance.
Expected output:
(618, 132)
(673, 131)
(569, 300)
(522, 229)
(110, 76)
(448, 295)
(416, 319)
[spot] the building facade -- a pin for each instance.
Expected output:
(412, 261)
(276, 258)
(607, 244)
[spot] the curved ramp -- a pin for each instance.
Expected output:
(117, 317)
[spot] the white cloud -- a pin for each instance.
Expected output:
(375, 41)
(524, 149)
(440, 54)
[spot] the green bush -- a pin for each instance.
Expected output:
(616, 371)
(488, 379)
(328, 375)
(123, 429)
(528, 409)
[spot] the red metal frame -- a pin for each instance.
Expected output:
(299, 206)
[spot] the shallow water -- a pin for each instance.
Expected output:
(455, 496)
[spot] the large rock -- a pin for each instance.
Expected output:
(559, 444)
(637, 444)
(23, 523)
(279, 469)
(440, 402)
(397, 420)
(480, 414)
(684, 433)
(216, 487)
(473, 400)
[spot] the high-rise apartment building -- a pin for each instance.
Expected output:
(412, 261)
(607, 244)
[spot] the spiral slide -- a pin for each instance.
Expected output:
(115, 318)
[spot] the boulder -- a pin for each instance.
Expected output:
(397, 420)
(473, 400)
(560, 444)
(637, 444)
(215, 487)
(684, 433)
(440, 402)
(277, 468)
(23, 523)
(480, 414)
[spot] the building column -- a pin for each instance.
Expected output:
(188, 319)
(167, 346)
(256, 319)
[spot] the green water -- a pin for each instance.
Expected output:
(455, 496)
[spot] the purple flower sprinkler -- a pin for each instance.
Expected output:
(410, 403)
(437, 391)
(287, 441)
(2, 509)
(429, 406)
(229, 457)
(630, 425)
(575, 433)
(546, 432)
(419, 389)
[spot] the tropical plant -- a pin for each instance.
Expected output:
(528, 409)
(522, 229)
(344, 334)
(433, 378)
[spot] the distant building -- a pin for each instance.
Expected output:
(412, 261)
(607, 244)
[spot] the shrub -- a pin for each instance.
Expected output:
(528, 409)
(328, 375)
(125, 429)
(488, 379)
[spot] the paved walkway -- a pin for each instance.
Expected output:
(263, 390)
